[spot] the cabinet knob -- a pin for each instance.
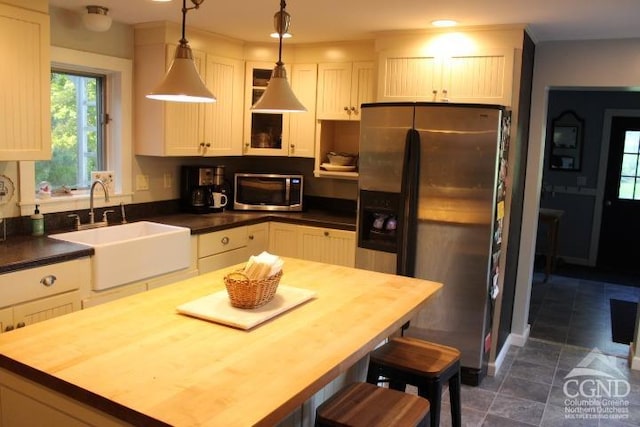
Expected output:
(326, 234)
(293, 146)
(20, 325)
(250, 236)
(353, 109)
(225, 240)
(48, 280)
(346, 109)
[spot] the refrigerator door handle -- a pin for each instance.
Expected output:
(406, 259)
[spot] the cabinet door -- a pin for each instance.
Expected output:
(184, 121)
(484, 78)
(25, 128)
(257, 238)
(6, 319)
(47, 308)
(223, 119)
(334, 91)
(328, 245)
(362, 87)
(406, 77)
(284, 239)
(264, 133)
(302, 126)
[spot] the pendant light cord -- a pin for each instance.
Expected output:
(185, 9)
(280, 30)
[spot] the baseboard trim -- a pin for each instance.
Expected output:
(513, 339)
(520, 340)
(494, 367)
(634, 359)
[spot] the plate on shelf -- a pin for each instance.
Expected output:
(337, 168)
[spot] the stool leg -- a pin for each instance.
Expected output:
(433, 393)
(454, 398)
(397, 385)
(373, 373)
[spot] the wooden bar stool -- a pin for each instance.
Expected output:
(423, 364)
(367, 405)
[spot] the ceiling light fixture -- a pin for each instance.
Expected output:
(278, 96)
(182, 82)
(96, 19)
(441, 23)
(281, 22)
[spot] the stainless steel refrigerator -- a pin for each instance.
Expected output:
(431, 205)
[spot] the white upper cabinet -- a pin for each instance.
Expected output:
(223, 119)
(285, 134)
(302, 126)
(342, 88)
(25, 123)
(484, 77)
(187, 129)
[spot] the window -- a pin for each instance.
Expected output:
(117, 89)
(77, 109)
(629, 174)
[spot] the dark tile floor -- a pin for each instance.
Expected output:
(569, 318)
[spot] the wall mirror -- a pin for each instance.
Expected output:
(566, 142)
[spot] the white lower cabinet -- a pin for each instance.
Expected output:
(27, 403)
(232, 246)
(41, 293)
(328, 245)
(320, 244)
(284, 239)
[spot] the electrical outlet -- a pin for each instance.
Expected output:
(107, 178)
(142, 182)
(168, 179)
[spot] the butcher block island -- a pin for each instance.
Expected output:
(138, 361)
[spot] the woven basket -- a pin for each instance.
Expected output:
(245, 293)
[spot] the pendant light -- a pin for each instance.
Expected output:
(278, 96)
(182, 82)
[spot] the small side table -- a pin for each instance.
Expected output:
(550, 217)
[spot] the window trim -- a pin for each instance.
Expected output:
(118, 135)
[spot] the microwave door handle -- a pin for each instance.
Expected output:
(287, 191)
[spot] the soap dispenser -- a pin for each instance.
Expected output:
(37, 222)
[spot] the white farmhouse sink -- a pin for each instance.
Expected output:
(132, 252)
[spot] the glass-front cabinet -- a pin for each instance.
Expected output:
(289, 134)
(263, 132)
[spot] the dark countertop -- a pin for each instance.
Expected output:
(22, 252)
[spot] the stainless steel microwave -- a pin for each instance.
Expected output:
(268, 191)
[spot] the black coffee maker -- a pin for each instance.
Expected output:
(197, 189)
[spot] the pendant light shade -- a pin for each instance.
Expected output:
(182, 82)
(278, 96)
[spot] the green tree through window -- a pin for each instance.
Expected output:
(76, 131)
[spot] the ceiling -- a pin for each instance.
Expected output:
(335, 20)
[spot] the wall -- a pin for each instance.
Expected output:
(563, 189)
(611, 64)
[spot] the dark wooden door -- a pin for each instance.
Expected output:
(620, 226)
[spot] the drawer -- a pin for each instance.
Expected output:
(221, 241)
(225, 259)
(39, 282)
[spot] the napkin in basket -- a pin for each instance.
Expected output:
(262, 266)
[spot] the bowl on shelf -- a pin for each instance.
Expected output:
(342, 159)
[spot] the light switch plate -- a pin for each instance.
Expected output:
(142, 182)
(107, 178)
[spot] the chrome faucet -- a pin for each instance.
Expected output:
(92, 223)
(106, 198)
